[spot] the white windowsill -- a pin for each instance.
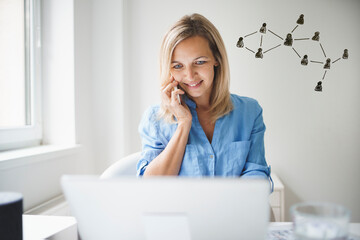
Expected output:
(21, 157)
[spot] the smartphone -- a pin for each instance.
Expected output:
(175, 88)
(178, 96)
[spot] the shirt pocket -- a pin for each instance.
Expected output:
(236, 153)
(190, 164)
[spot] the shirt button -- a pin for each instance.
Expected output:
(211, 156)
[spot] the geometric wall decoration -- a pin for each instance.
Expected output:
(289, 40)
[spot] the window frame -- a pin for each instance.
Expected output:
(30, 134)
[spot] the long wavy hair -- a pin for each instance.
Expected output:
(191, 26)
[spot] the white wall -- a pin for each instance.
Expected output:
(107, 81)
(57, 38)
(312, 138)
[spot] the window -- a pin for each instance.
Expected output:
(20, 95)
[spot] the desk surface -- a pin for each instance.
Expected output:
(49, 227)
(279, 231)
(65, 228)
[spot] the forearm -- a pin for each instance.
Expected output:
(169, 161)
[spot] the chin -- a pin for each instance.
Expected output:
(194, 96)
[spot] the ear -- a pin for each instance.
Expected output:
(216, 64)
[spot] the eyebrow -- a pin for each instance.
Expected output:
(201, 57)
(194, 59)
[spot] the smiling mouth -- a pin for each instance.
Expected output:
(194, 84)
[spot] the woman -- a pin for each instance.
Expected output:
(209, 132)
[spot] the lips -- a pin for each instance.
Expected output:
(194, 85)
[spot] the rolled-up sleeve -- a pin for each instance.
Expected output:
(256, 166)
(152, 144)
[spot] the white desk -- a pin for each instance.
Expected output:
(38, 227)
(354, 230)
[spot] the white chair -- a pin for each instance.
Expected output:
(123, 167)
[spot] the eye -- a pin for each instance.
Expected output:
(200, 62)
(177, 66)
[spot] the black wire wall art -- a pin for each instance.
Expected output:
(289, 41)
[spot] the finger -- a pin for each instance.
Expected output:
(181, 92)
(165, 98)
(169, 87)
(175, 96)
(166, 83)
(178, 92)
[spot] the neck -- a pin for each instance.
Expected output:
(202, 104)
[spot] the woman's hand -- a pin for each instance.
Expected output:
(170, 97)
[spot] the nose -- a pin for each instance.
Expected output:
(189, 74)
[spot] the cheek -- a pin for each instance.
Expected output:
(177, 75)
(207, 73)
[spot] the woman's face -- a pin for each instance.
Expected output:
(192, 65)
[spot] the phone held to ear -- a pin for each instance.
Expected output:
(175, 88)
(178, 96)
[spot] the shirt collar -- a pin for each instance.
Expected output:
(189, 102)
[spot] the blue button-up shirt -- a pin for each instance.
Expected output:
(236, 149)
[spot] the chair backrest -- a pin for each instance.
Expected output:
(123, 167)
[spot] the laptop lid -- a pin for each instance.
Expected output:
(168, 207)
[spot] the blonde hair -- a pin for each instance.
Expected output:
(190, 26)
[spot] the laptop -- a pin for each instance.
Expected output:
(164, 208)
